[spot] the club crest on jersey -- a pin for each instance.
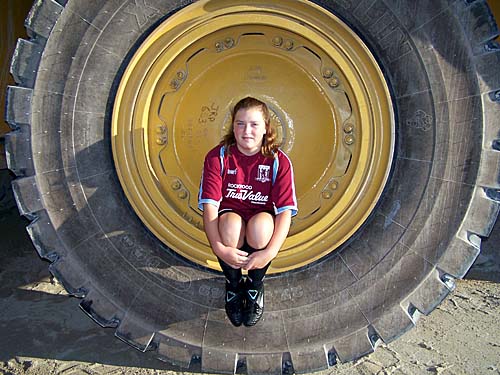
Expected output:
(263, 174)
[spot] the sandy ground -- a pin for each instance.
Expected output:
(43, 331)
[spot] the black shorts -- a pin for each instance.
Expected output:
(245, 216)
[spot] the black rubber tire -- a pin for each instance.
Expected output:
(442, 67)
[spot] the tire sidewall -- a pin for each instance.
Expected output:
(418, 215)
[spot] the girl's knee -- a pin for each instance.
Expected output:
(232, 229)
(260, 229)
(256, 243)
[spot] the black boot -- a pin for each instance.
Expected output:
(254, 298)
(234, 304)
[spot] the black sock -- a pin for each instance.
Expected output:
(233, 276)
(255, 278)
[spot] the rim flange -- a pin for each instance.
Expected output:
(291, 257)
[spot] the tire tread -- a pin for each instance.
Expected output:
(42, 18)
(479, 28)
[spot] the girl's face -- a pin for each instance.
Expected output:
(249, 128)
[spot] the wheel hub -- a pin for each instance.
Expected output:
(328, 100)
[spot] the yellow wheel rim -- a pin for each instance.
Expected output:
(328, 98)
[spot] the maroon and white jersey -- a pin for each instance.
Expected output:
(247, 184)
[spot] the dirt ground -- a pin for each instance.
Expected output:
(43, 331)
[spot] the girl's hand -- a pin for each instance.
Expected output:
(233, 257)
(259, 259)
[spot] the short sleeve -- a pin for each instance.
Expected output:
(211, 180)
(283, 190)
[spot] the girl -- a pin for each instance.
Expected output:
(247, 195)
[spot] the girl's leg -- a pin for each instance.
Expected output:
(256, 277)
(260, 229)
(232, 232)
(232, 229)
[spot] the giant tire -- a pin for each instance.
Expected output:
(442, 67)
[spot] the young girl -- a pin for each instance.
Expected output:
(247, 195)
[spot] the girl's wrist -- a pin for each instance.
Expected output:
(271, 253)
(218, 250)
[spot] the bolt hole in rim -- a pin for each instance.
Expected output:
(329, 103)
